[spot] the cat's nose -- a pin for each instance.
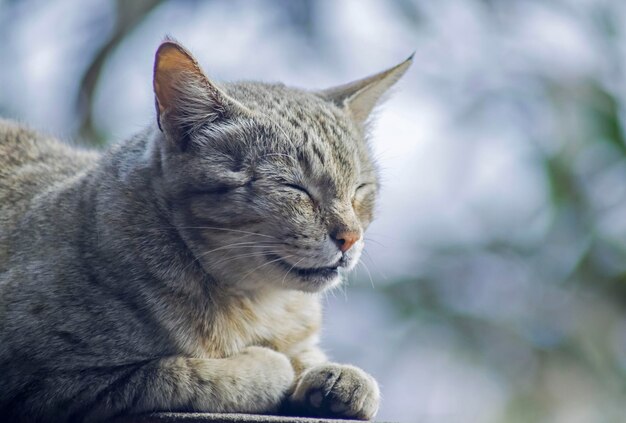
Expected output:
(346, 239)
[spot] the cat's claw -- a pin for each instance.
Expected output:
(337, 390)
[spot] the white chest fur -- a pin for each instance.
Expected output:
(281, 320)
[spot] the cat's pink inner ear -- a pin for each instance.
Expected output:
(173, 66)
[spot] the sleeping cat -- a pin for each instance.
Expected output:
(182, 268)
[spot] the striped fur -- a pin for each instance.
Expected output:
(181, 269)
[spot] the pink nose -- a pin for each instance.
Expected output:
(345, 240)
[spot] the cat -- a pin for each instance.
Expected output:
(182, 269)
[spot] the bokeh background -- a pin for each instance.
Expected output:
(494, 284)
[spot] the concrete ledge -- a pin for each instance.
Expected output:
(224, 418)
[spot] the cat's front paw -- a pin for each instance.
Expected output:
(257, 380)
(336, 390)
(271, 376)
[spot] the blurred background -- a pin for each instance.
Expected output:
(494, 284)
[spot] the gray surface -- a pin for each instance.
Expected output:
(224, 418)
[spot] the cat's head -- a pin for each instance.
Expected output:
(267, 185)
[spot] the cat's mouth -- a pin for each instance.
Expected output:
(311, 273)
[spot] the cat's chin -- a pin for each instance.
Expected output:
(307, 279)
(312, 285)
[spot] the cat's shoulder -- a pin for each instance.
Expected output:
(20, 145)
(31, 162)
(15, 136)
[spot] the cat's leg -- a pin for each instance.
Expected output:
(329, 389)
(255, 381)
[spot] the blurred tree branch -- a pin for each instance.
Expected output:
(129, 15)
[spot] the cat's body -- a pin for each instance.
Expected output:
(147, 277)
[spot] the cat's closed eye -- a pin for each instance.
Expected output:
(299, 188)
(363, 187)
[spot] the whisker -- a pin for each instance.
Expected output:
(286, 273)
(327, 293)
(374, 241)
(216, 228)
(383, 235)
(240, 256)
(342, 287)
(247, 244)
(263, 265)
(380, 272)
(344, 290)
(368, 273)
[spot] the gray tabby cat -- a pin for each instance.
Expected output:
(181, 269)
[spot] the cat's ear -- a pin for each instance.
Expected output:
(185, 98)
(360, 97)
